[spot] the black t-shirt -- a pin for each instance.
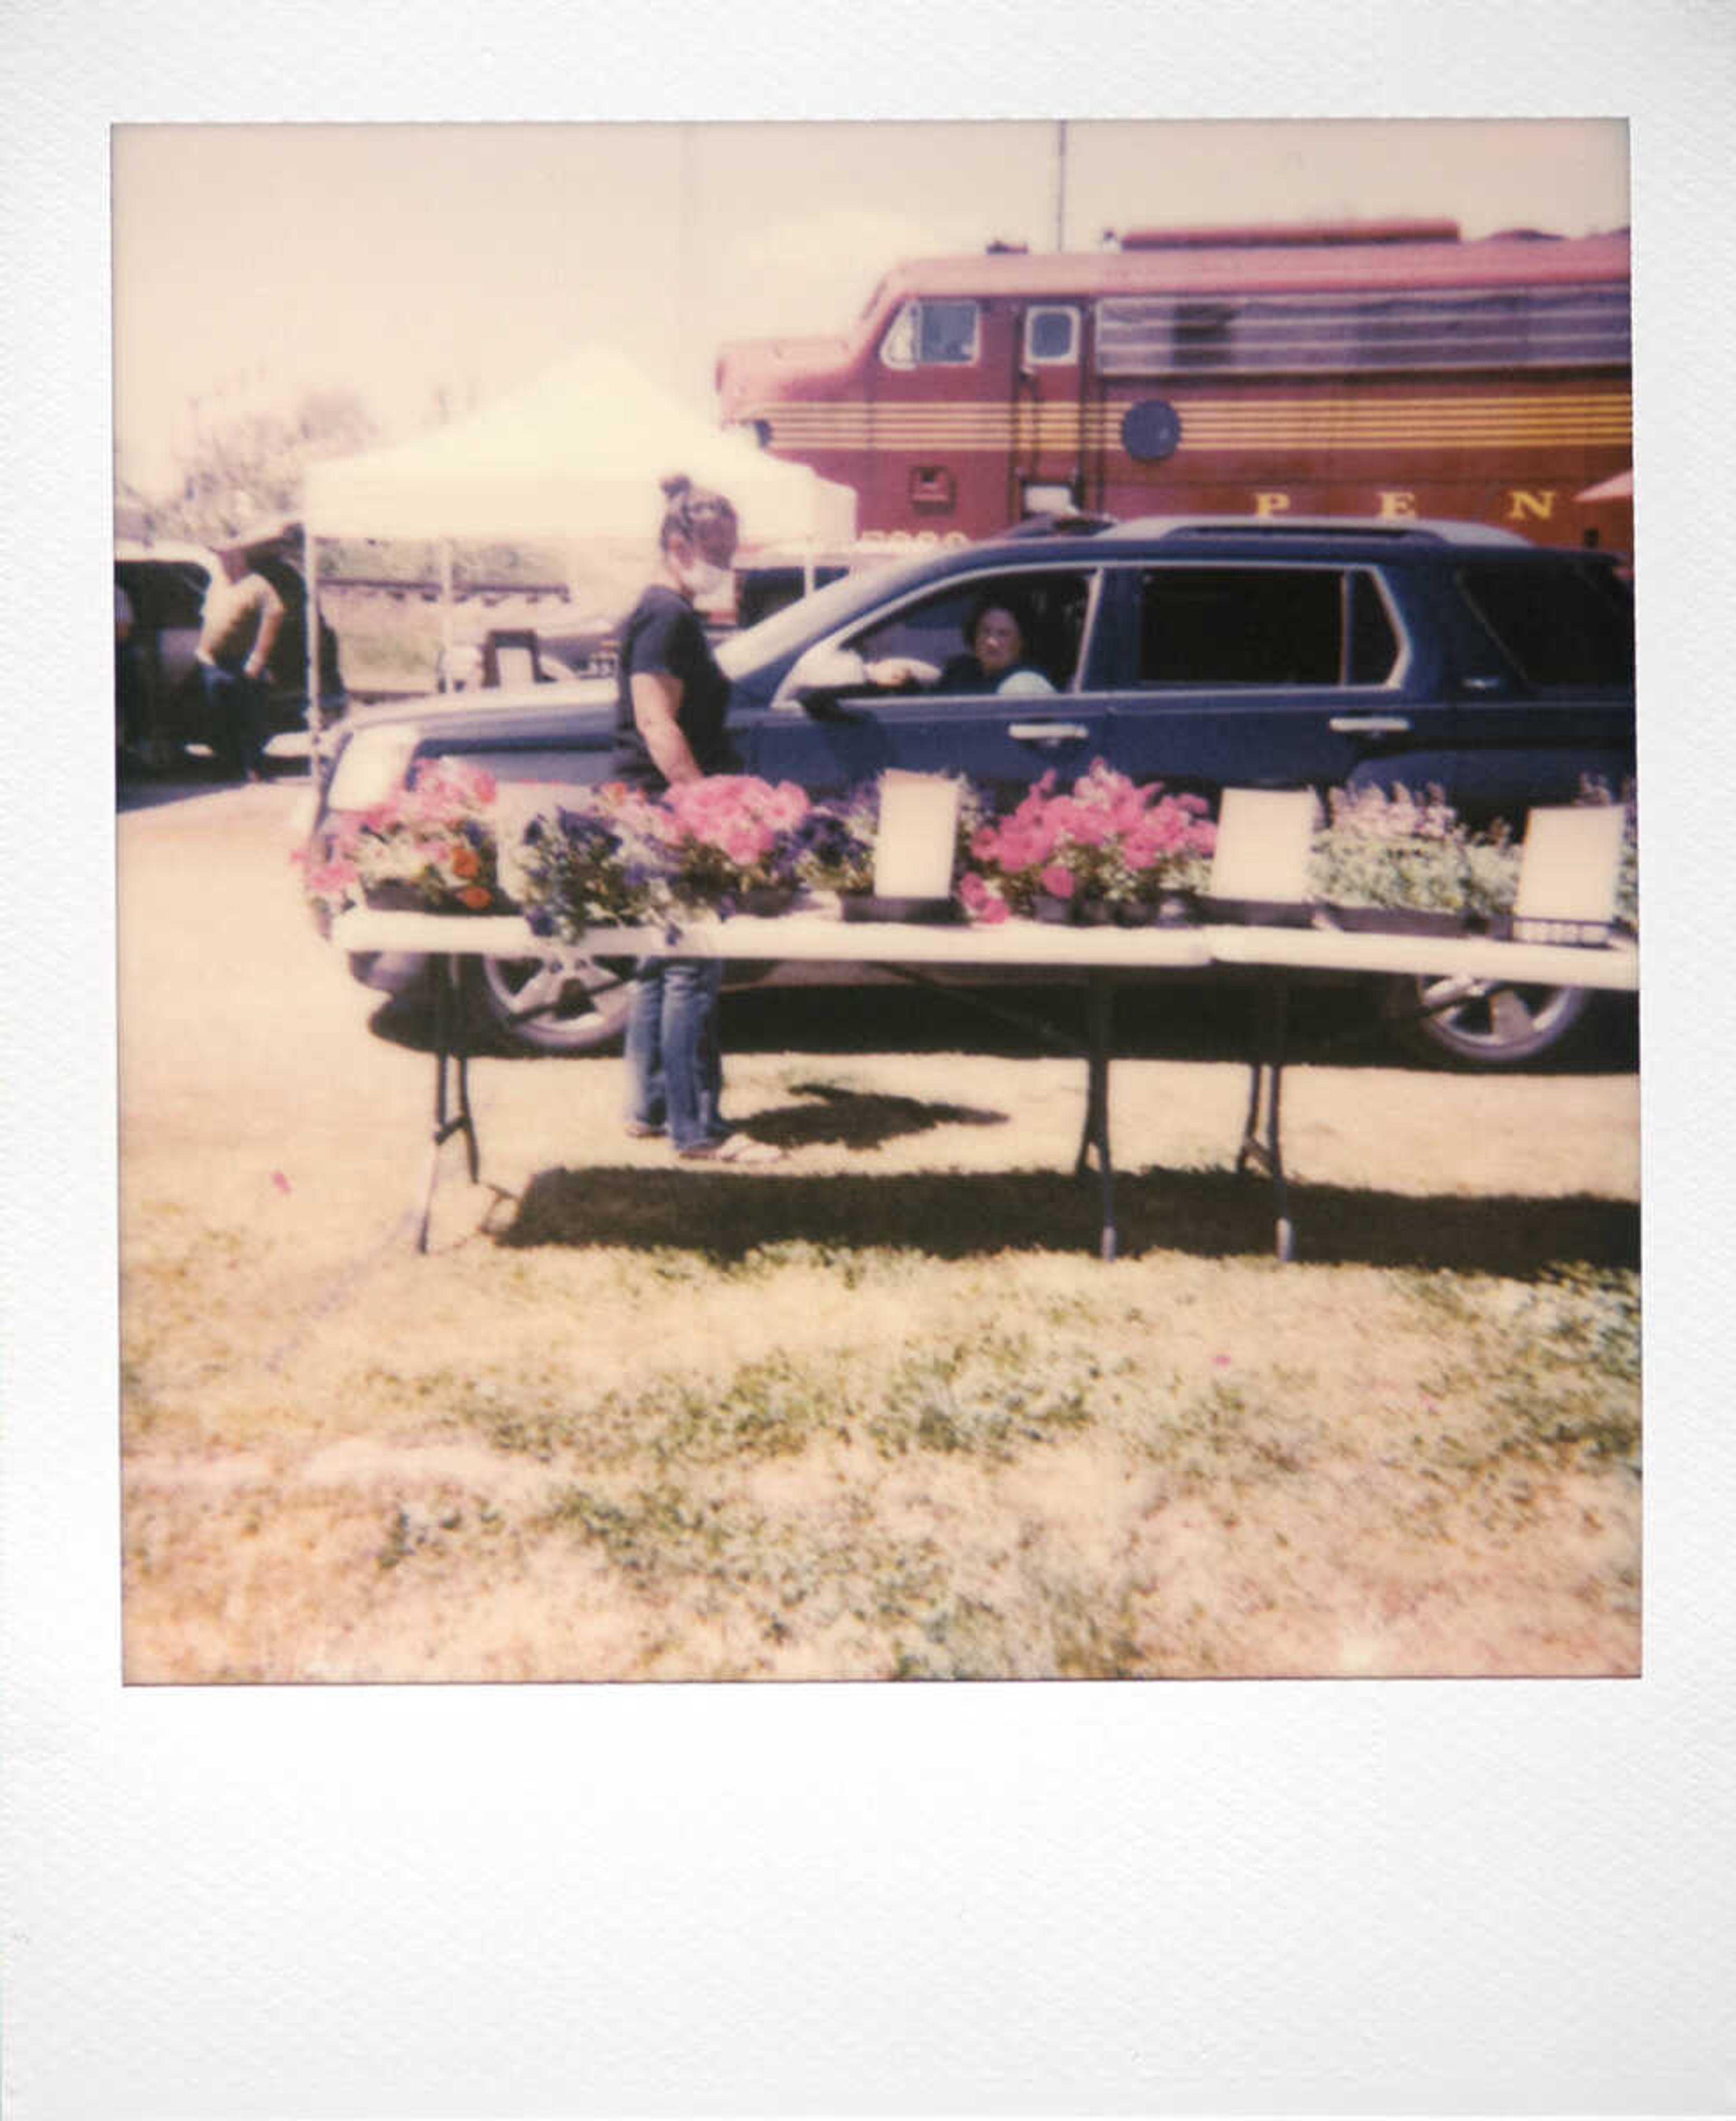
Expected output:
(664, 633)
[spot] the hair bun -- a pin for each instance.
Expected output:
(676, 484)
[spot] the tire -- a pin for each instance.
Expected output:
(523, 1005)
(1479, 1024)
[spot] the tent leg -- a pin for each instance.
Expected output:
(310, 576)
(445, 604)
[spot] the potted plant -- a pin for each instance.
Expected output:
(432, 847)
(834, 848)
(1168, 852)
(838, 844)
(1404, 863)
(1108, 850)
(595, 861)
(731, 843)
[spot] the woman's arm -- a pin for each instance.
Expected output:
(656, 698)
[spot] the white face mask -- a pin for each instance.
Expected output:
(702, 579)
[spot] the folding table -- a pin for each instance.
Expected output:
(1105, 957)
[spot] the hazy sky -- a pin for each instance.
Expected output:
(252, 261)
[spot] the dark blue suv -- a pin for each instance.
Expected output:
(1205, 653)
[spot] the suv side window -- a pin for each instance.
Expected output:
(1557, 626)
(1052, 606)
(1263, 626)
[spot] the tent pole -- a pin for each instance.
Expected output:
(311, 646)
(446, 607)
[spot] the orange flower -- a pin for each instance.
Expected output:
(476, 897)
(464, 860)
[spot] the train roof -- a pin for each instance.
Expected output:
(1194, 264)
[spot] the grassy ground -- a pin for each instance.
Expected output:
(814, 1459)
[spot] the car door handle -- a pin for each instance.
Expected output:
(1369, 725)
(1048, 732)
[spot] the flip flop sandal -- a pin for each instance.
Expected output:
(732, 1149)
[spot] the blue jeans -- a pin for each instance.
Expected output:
(674, 1063)
(239, 707)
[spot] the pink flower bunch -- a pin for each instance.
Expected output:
(437, 837)
(444, 789)
(331, 881)
(730, 833)
(1109, 839)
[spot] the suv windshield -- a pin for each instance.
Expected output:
(1557, 626)
(811, 617)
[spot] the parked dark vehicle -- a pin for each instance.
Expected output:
(166, 585)
(1205, 653)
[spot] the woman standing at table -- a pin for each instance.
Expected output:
(671, 710)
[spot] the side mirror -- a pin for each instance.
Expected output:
(823, 674)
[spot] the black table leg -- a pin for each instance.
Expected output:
(452, 1113)
(1100, 1022)
(1261, 1143)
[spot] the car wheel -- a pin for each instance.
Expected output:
(537, 1005)
(1481, 1024)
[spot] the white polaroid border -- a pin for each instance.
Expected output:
(1380, 1896)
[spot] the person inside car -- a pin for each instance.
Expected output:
(995, 631)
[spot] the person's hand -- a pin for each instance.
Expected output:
(250, 668)
(894, 670)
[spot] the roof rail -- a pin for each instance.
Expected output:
(1420, 531)
(1066, 522)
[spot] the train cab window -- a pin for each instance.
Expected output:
(1052, 608)
(1243, 626)
(1050, 336)
(927, 334)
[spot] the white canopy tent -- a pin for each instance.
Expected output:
(580, 453)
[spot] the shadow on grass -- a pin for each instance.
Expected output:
(725, 1215)
(858, 1119)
